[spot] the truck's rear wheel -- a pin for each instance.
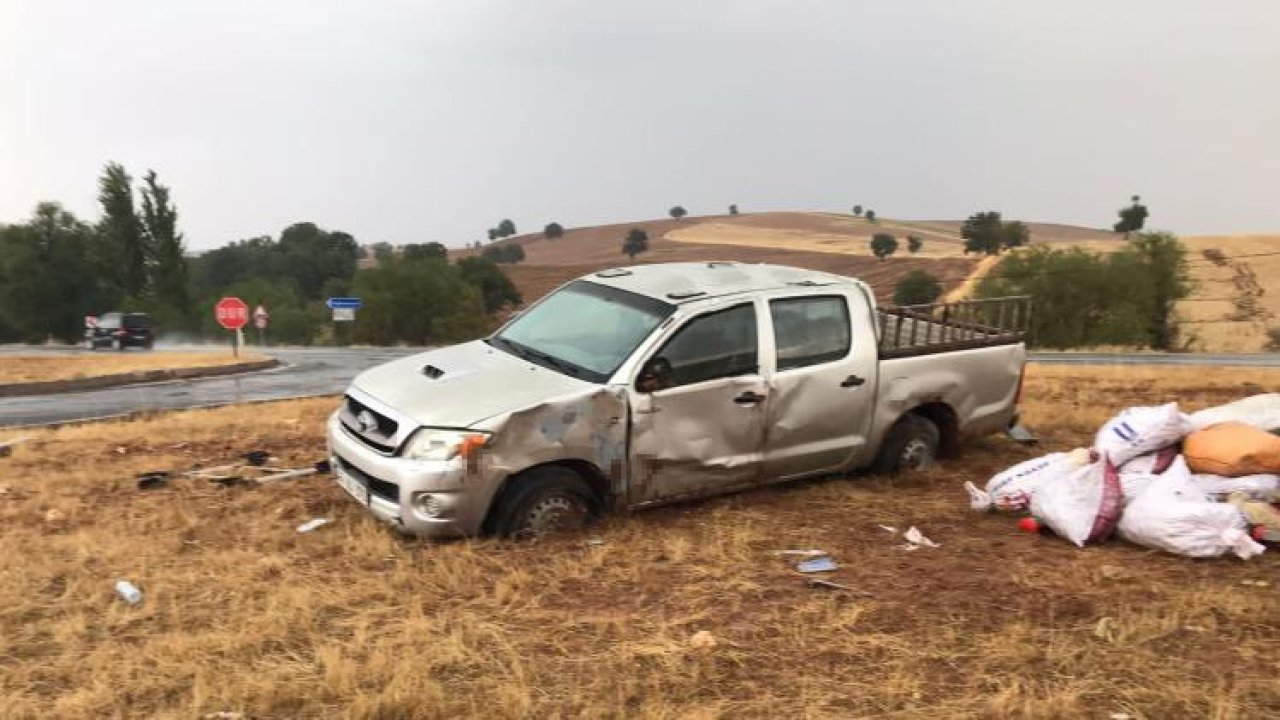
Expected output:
(546, 501)
(909, 446)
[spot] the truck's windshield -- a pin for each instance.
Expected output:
(584, 330)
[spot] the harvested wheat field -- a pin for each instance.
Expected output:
(49, 366)
(1230, 309)
(243, 614)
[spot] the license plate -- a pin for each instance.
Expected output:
(352, 485)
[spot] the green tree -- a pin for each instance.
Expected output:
(677, 212)
(310, 256)
(917, 288)
(1273, 339)
(883, 245)
(169, 275)
(857, 210)
(508, 253)
(988, 233)
(1132, 218)
(1163, 263)
(733, 209)
(496, 289)
(383, 252)
(636, 242)
(123, 251)
(424, 302)
(424, 251)
(553, 231)
(47, 278)
(871, 216)
(914, 244)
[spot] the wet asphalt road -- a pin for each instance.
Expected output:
(309, 372)
(306, 372)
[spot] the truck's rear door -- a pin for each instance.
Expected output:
(823, 384)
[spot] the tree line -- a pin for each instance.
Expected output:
(56, 268)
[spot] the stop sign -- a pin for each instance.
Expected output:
(231, 313)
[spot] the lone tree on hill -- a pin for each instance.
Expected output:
(871, 216)
(857, 210)
(636, 242)
(883, 245)
(506, 228)
(733, 209)
(914, 244)
(917, 288)
(1132, 218)
(677, 212)
(553, 231)
(986, 233)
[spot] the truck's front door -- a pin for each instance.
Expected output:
(823, 386)
(701, 429)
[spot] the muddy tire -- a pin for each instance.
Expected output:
(910, 446)
(545, 501)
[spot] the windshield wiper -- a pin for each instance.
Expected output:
(537, 356)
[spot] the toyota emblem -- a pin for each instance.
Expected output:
(368, 423)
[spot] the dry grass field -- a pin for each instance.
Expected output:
(48, 366)
(1238, 270)
(243, 614)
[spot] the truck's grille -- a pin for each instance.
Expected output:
(386, 490)
(378, 435)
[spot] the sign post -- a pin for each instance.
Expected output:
(232, 314)
(260, 318)
(344, 310)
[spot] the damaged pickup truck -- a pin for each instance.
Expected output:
(639, 386)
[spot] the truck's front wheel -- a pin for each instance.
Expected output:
(910, 445)
(545, 501)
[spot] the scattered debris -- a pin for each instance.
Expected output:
(1022, 435)
(801, 553)
(323, 466)
(818, 564)
(224, 715)
(54, 516)
(702, 640)
(6, 447)
(595, 542)
(241, 474)
(1255, 583)
(889, 528)
(312, 524)
(916, 540)
(1113, 572)
(828, 585)
(257, 458)
(153, 479)
(128, 592)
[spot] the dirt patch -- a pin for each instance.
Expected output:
(244, 614)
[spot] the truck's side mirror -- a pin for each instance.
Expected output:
(655, 375)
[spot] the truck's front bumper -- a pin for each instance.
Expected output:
(392, 487)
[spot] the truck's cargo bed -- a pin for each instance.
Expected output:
(942, 327)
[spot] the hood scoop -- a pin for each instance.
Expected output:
(432, 371)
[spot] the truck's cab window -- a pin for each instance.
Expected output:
(717, 345)
(810, 330)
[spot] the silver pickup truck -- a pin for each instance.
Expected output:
(645, 385)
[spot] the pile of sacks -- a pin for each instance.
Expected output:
(1199, 485)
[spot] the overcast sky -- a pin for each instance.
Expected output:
(430, 121)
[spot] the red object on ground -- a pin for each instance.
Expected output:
(231, 313)
(1029, 525)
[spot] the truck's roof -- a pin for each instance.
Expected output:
(692, 281)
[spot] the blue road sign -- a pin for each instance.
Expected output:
(344, 303)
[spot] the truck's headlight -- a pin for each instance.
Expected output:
(430, 444)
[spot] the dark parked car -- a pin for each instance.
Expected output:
(120, 330)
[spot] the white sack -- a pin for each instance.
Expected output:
(1255, 487)
(1260, 411)
(1012, 489)
(1134, 482)
(1083, 507)
(1174, 517)
(1141, 430)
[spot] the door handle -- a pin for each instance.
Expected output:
(749, 398)
(852, 381)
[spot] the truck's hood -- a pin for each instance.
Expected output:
(475, 382)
